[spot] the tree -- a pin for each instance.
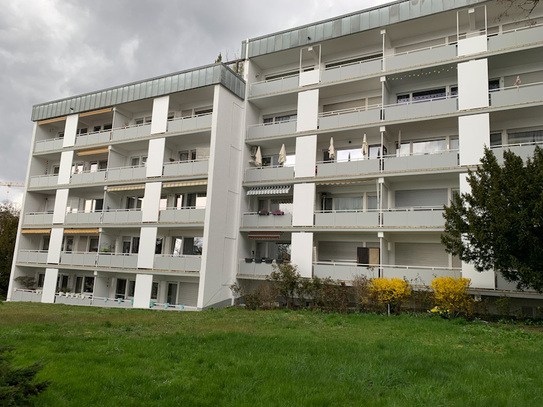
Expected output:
(499, 224)
(9, 220)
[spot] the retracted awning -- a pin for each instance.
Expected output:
(274, 190)
(346, 182)
(184, 183)
(81, 231)
(36, 231)
(264, 235)
(93, 151)
(126, 188)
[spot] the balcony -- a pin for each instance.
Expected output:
(347, 219)
(120, 260)
(126, 173)
(444, 159)
(523, 150)
(272, 173)
(88, 177)
(254, 220)
(32, 256)
(343, 271)
(516, 38)
(418, 275)
(352, 70)
(185, 124)
(352, 117)
(347, 168)
(82, 218)
(48, 145)
(421, 217)
(183, 215)
(74, 299)
(173, 263)
(514, 95)
(89, 139)
(85, 259)
(114, 216)
(274, 86)
(417, 109)
(38, 218)
(423, 56)
(186, 168)
(262, 130)
(254, 269)
(26, 295)
(43, 181)
(131, 132)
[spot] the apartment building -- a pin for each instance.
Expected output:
(336, 151)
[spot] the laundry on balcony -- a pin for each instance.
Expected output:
(273, 190)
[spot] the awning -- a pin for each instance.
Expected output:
(94, 151)
(108, 109)
(264, 235)
(56, 119)
(275, 190)
(126, 188)
(346, 182)
(36, 231)
(81, 231)
(183, 184)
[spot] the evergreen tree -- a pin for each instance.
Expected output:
(9, 219)
(499, 224)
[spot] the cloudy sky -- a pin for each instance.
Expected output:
(51, 49)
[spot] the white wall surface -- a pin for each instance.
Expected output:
(302, 253)
(49, 286)
(310, 77)
(473, 84)
(151, 202)
(146, 253)
(155, 157)
(308, 110)
(142, 294)
(306, 153)
(303, 204)
(472, 45)
(55, 244)
(70, 130)
(101, 288)
(65, 170)
(473, 135)
(61, 202)
(159, 122)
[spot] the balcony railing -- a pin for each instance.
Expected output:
(87, 259)
(118, 260)
(347, 218)
(421, 108)
(418, 275)
(26, 295)
(514, 95)
(32, 256)
(38, 218)
(81, 218)
(343, 271)
(352, 70)
(264, 130)
(131, 132)
(43, 181)
(347, 168)
(48, 145)
(186, 168)
(126, 173)
(92, 138)
(421, 56)
(113, 216)
(416, 217)
(420, 162)
(191, 214)
(355, 116)
(88, 177)
(184, 263)
(276, 85)
(523, 150)
(515, 38)
(184, 124)
(256, 220)
(269, 173)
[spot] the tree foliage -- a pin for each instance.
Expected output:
(499, 225)
(18, 386)
(9, 219)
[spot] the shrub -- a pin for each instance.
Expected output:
(451, 296)
(264, 297)
(286, 279)
(17, 386)
(393, 291)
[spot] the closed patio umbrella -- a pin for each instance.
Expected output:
(331, 149)
(282, 155)
(364, 146)
(258, 157)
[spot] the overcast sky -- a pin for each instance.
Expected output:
(51, 49)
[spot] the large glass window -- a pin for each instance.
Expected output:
(429, 147)
(88, 285)
(526, 137)
(349, 203)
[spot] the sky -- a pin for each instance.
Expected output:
(51, 49)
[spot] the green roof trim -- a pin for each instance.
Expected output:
(148, 88)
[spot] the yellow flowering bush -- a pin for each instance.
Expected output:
(391, 291)
(451, 296)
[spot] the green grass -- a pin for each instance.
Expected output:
(233, 357)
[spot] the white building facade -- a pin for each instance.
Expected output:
(336, 150)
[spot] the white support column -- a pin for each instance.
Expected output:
(308, 110)
(61, 202)
(101, 285)
(306, 153)
(151, 201)
(473, 136)
(159, 121)
(303, 205)
(70, 131)
(55, 245)
(302, 253)
(473, 84)
(142, 294)
(155, 157)
(49, 286)
(65, 170)
(146, 253)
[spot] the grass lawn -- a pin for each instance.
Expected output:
(233, 357)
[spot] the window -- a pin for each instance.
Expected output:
(143, 120)
(45, 243)
(429, 94)
(138, 161)
(493, 85)
(60, 134)
(82, 130)
(120, 290)
(88, 286)
(192, 245)
(94, 205)
(68, 244)
(41, 279)
(77, 168)
(526, 137)
(135, 244)
(108, 126)
(93, 244)
(134, 202)
(429, 147)
(98, 165)
(131, 288)
(154, 291)
(203, 110)
(158, 245)
(163, 204)
(187, 155)
(56, 169)
(177, 245)
(62, 283)
(495, 139)
(353, 60)
(349, 203)
(281, 117)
